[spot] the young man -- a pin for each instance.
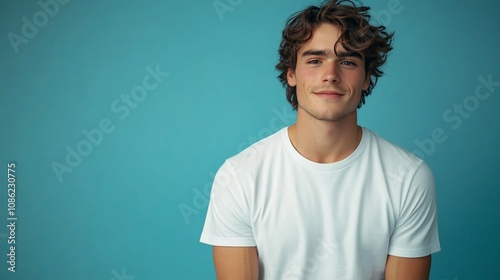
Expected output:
(325, 198)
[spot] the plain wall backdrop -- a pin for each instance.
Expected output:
(117, 114)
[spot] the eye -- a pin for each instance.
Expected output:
(348, 63)
(314, 61)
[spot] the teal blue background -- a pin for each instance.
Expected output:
(118, 213)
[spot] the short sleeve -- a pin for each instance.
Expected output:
(416, 231)
(227, 222)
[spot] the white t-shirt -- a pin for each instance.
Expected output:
(324, 221)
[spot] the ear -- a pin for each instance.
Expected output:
(290, 77)
(366, 83)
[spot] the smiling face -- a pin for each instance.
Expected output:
(328, 85)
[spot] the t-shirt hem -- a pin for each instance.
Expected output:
(221, 241)
(414, 252)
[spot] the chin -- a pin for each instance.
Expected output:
(333, 116)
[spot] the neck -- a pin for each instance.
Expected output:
(325, 141)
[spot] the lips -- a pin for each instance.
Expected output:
(328, 93)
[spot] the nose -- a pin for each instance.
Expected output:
(331, 74)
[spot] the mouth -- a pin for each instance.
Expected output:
(329, 94)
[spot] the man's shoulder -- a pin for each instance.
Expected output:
(260, 150)
(389, 151)
(398, 163)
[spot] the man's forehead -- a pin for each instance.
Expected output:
(325, 36)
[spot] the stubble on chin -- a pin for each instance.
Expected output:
(330, 115)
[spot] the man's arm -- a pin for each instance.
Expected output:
(399, 268)
(236, 263)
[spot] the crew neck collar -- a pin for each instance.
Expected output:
(325, 167)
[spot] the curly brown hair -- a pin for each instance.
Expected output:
(357, 35)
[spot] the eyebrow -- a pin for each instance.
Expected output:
(342, 54)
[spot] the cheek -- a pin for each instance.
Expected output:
(359, 81)
(305, 77)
